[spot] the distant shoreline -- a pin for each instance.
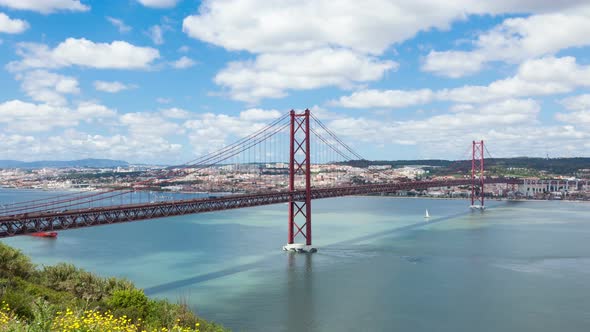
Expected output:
(487, 199)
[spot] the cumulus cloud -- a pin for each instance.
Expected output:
(12, 146)
(209, 132)
(545, 76)
(48, 87)
(580, 102)
(579, 107)
(74, 144)
(258, 114)
(271, 75)
(538, 77)
(12, 26)
(367, 27)
(364, 30)
(511, 127)
(45, 6)
(581, 117)
(183, 62)
(143, 124)
(159, 3)
(515, 40)
(111, 87)
(175, 113)
(84, 53)
(19, 116)
(386, 98)
(453, 64)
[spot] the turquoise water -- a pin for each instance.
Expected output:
(519, 266)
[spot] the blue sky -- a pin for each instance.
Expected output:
(166, 80)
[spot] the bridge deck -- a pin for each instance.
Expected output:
(51, 221)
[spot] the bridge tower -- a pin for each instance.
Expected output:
(299, 164)
(477, 175)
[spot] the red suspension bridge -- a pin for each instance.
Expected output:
(311, 144)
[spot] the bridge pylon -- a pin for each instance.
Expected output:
(299, 165)
(477, 175)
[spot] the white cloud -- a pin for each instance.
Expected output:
(270, 75)
(366, 27)
(461, 108)
(545, 76)
(385, 99)
(161, 100)
(175, 113)
(119, 24)
(45, 6)
(13, 146)
(73, 144)
(453, 64)
(48, 87)
(84, 53)
(142, 124)
(580, 110)
(21, 116)
(91, 110)
(13, 26)
(159, 3)
(509, 112)
(183, 62)
(258, 114)
(111, 87)
(580, 102)
(539, 77)
(510, 127)
(515, 40)
(156, 34)
(209, 132)
(577, 117)
(363, 29)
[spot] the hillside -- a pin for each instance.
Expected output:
(558, 166)
(65, 298)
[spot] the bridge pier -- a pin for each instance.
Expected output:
(299, 164)
(477, 175)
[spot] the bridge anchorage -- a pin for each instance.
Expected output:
(299, 164)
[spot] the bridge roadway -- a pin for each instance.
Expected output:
(26, 223)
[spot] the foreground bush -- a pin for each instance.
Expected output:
(65, 298)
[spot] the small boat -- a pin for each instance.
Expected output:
(45, 234)
(426, 216)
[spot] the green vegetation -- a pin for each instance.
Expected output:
(65, 298)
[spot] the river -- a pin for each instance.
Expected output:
(519, 266)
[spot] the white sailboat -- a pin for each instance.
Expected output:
(427, 215)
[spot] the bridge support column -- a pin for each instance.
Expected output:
(477, 175)
(299, 165)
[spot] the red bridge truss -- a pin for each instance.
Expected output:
(52, 221)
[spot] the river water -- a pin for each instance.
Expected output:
(519, 266)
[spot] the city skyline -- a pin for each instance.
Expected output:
(160, 81)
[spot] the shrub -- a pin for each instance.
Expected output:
(13, 263)
(20, 303)
(130, 303)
